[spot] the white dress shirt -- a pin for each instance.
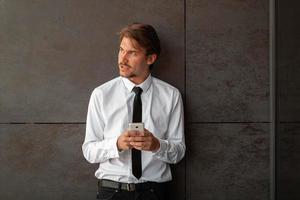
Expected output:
(110, 112)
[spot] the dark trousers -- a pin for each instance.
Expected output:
(158, 192)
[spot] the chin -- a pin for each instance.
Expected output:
(126, 75)
(123, 75)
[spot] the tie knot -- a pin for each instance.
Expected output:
(137, 90)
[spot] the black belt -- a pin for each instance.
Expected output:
(129, 186)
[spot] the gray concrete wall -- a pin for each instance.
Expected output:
(228, 100)
(54, 53)
(288, 95)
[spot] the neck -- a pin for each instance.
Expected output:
(138, 80)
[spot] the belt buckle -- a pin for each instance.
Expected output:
(130, 187)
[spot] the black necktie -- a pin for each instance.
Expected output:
(137, 117)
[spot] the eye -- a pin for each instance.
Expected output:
(132, 53)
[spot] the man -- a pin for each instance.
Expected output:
(135, 164)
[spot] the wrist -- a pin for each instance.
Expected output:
(157, 146)
(118, 145)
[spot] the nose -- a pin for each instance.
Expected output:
(123, 56)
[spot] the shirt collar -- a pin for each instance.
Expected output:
(144, 85)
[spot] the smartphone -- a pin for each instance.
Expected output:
(136, 127)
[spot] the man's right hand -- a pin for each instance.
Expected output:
(123, 142)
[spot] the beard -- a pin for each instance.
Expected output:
(127, 74)
(130, 75)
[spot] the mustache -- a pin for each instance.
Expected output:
(124, 64)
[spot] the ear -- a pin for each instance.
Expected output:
(151, 59)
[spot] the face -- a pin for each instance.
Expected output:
(133, 61)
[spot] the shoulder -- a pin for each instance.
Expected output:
(107, 86)
(164, 86)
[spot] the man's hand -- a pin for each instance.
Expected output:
(143, 141)
(123, 142)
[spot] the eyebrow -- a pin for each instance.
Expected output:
(134, 50)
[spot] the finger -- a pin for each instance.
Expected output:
(128, 139)
(136, 144)
(133, 133)
(137, 139)
(142, 134)
(141, 146)
(127, 134)
(147, 133)
(125, 139)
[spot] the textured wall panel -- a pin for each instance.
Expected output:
(227, 60)
(288, 110)
(289, 161)
(228, 162)
(178, 184)
(288, 58)
(44, 162)
(53, 53)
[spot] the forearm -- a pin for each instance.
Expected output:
(100, 151)
(170, 151)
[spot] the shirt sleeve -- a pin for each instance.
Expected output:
(96, 148)
(172, 149)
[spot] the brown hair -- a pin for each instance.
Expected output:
(145, 35)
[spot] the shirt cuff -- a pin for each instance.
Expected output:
(113, 151)
(162, 148)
